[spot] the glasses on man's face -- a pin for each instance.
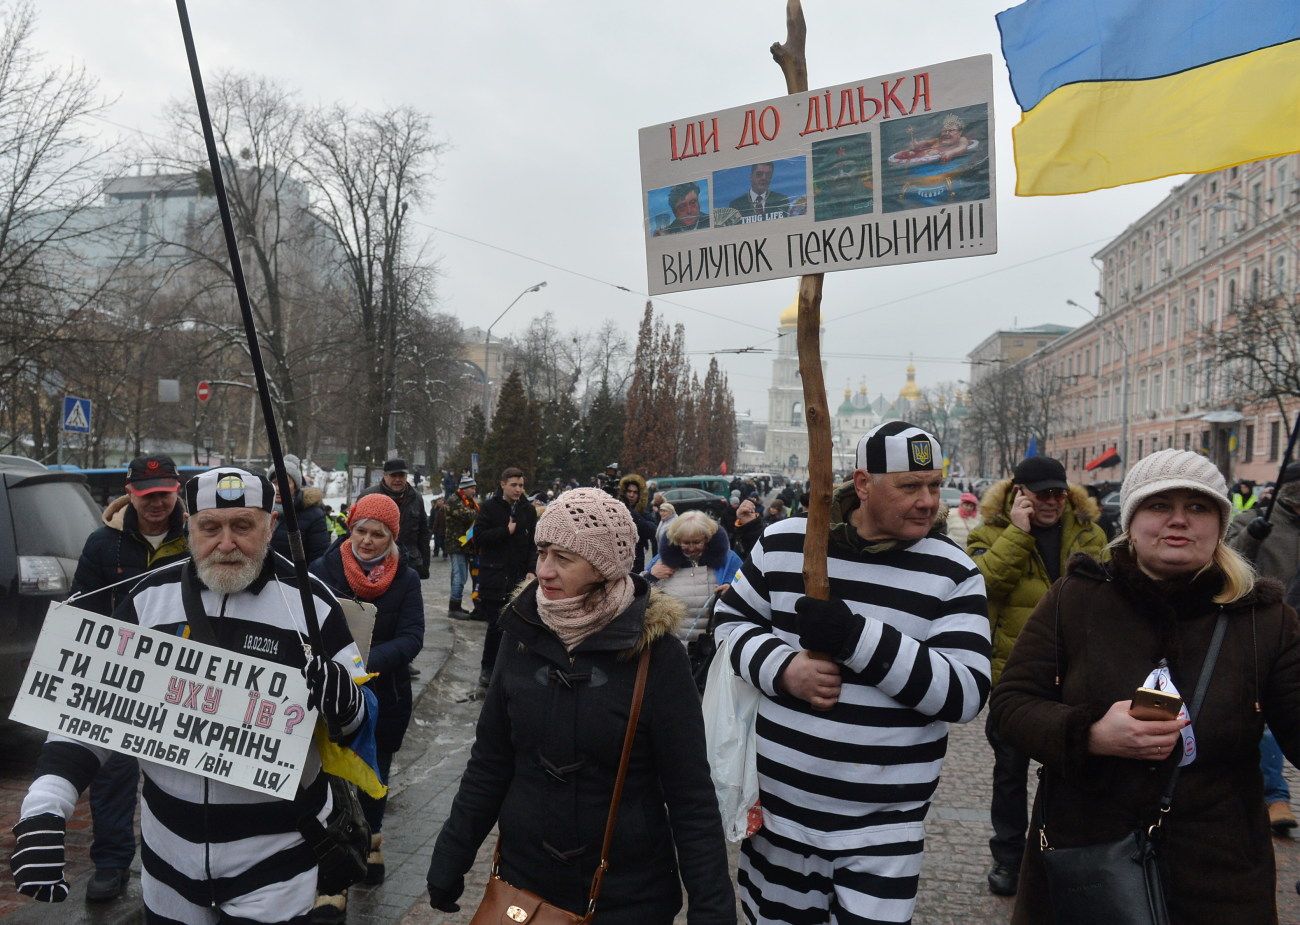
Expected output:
(1049, 494)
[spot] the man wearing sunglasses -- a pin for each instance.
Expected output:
(1033, 523)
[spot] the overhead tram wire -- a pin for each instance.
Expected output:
(692, 308)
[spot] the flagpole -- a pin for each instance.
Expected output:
(288, 510)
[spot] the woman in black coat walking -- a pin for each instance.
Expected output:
(550, 736)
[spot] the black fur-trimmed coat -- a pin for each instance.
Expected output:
(544, 761)
(1103, 628)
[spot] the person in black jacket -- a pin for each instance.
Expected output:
(143, 530)
(366, 565)
(308, 503)
(632, 492)
(506, 554)
(550, 735)
(415, 536)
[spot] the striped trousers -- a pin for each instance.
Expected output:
(786, 882)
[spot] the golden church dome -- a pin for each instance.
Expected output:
(790, 317)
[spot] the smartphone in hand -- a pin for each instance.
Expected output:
(1151, 704)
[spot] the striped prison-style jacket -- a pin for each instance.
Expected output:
(206, 842)
(862, 773)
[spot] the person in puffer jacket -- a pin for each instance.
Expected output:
(1033, 523)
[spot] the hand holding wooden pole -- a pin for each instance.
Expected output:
(793, 63)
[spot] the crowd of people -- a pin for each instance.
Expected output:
(1015, 599)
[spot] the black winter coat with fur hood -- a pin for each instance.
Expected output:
(544, 762)
(1102, 629)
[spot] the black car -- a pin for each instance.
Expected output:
(1109, 520)
(696, 499)
(45, 518)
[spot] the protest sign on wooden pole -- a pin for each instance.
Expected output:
(793, 63)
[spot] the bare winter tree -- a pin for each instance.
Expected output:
(49, 175)
(366, 169)
(287, 255)
(1258, 350)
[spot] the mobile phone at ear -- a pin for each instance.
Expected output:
(1151, 704)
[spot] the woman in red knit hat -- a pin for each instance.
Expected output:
(368, 565)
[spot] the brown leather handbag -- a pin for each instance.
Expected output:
(504, 904)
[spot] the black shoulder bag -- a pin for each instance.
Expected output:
(342, 844)
(1118, 882)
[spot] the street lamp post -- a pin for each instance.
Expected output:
(1123, 385)
(488, 337)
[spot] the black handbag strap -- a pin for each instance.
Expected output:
(634, 716)
(1202, 683)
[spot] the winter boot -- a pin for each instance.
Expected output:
(330, 910)
(375, 861)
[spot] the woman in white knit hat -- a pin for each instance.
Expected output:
(548, 743)
(1145, 619)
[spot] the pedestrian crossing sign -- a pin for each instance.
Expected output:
(76, 415)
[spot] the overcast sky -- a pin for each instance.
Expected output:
(541, 103)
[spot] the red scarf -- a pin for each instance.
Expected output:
(369, 585)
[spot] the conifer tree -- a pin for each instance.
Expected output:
(602, 434)
(512, 441)
(471, 441)
(559, 443)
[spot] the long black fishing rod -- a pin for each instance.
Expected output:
(288, 511)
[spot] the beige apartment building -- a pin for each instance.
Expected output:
(1138, 375)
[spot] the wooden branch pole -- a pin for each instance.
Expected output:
(790, 57)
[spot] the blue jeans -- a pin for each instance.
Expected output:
(112, 812)
(459, 574)
(1270, 765)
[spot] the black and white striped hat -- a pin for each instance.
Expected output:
(228, 488)
(898, 447)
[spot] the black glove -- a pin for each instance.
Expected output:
(444, 898)
(423, 571)
(1259, 528)
(37, 861)
(331, 690)
(827, 626)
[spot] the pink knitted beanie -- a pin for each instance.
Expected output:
(594, 525)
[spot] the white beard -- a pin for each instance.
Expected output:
(225, 580)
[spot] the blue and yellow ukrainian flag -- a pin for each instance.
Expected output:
(358, 761)
(1121, 91)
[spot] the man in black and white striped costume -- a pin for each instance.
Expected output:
(212, 853)
(860, 689)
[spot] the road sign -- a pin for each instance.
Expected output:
(204, 390)
(76, 415)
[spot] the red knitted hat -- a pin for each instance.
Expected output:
(377, 507)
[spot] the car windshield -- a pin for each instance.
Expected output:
(52, 518)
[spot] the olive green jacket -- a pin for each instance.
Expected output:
(1015, 575)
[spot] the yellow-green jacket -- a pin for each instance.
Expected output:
(1015, 575)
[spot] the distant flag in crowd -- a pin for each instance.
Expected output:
(1122, 91)
(1032, 449)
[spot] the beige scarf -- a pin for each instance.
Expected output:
(569, 619)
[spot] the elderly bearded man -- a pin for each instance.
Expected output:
(214, 853)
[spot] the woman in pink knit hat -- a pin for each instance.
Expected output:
(367, 565)
(551, 732)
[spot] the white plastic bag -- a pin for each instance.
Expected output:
(730, 709)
